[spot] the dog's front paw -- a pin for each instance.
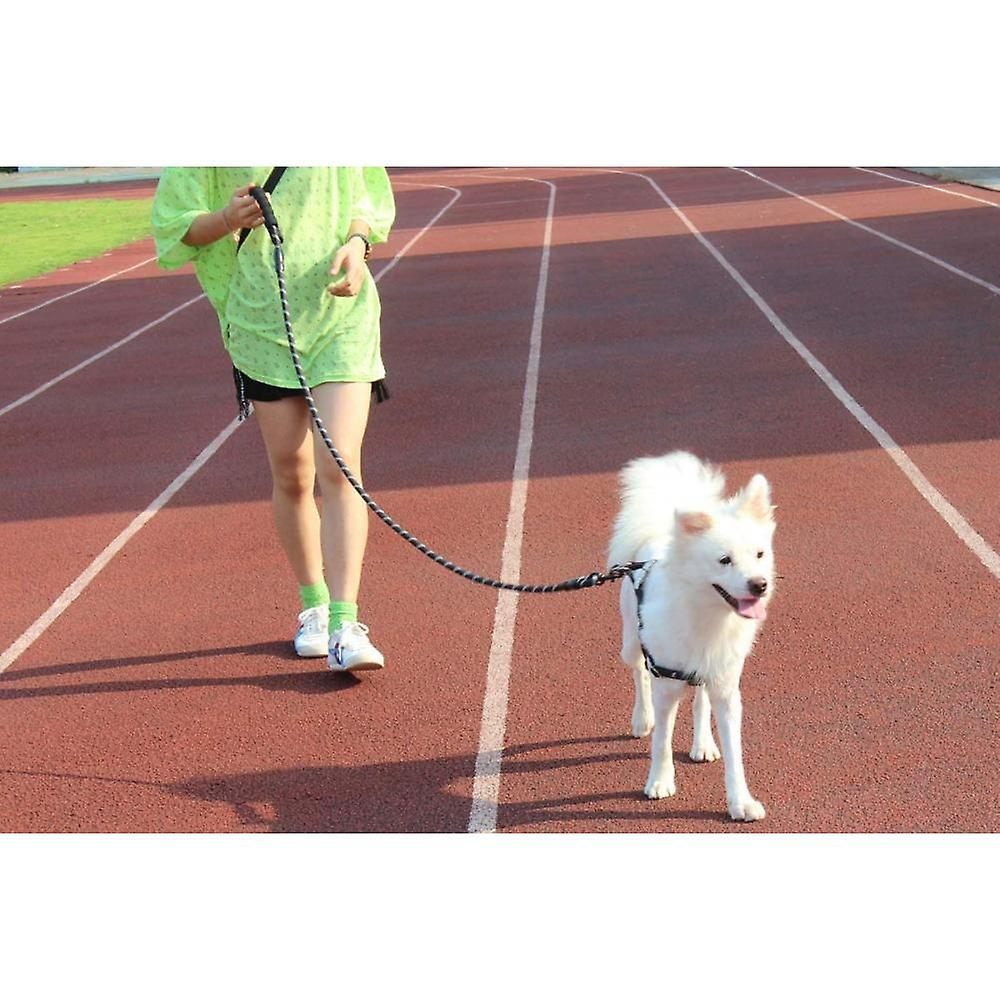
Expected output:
(704, 751)
(642, 724)
(660, 788)
(746, 810)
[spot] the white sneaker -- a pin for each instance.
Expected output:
(313, 636)
(350, 649)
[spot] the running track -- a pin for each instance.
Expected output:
(833, 328)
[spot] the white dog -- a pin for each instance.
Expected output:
(702, 602)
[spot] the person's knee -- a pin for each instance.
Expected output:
(331, 479)
(293, 479)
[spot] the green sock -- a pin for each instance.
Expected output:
(342, 611)
(315, 595)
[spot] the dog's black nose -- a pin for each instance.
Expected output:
(757, 586)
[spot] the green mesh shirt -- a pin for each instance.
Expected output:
(337, 336)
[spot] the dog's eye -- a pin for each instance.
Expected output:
(725, 560)
(760, 555)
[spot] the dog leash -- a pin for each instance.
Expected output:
(594, 579)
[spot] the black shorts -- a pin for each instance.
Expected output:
(260, 392)
(250, 390)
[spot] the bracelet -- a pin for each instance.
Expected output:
(228, 224)
(368, 246)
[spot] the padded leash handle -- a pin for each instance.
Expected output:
(270, 221)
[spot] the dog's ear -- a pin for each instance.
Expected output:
(693, 522)
(755, 499)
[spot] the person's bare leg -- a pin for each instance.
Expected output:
(284, 425)
(343, 407)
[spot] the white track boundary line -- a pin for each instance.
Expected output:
(73, 591)
(975, 542)
(96, 357)
(931, 187)
(76, 588)
(874, 232)
(486, 780)
(76, 291)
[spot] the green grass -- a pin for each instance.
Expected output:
(40, 236)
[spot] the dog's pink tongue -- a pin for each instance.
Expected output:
(752, 607)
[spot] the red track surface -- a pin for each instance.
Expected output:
(68, 192)
(165, 698)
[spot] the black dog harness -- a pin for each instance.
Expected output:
(651, 665)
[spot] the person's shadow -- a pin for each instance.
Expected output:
(430, 795)
(425, 796)
(301, 681)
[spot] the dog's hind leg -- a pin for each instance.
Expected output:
(642, 709)
(703, 746)
(631, 654)
(667, 695)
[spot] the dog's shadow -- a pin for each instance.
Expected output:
(591, 808)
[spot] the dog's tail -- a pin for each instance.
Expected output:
(652, 489)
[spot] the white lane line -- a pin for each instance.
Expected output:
(486, 782)
(76, 588)
(976, 543)
(874, 232)
(73, 591)
(76, 291)
(931, 187)
(95, 357)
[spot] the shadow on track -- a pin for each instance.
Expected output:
(378, 797)
(311, 679)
